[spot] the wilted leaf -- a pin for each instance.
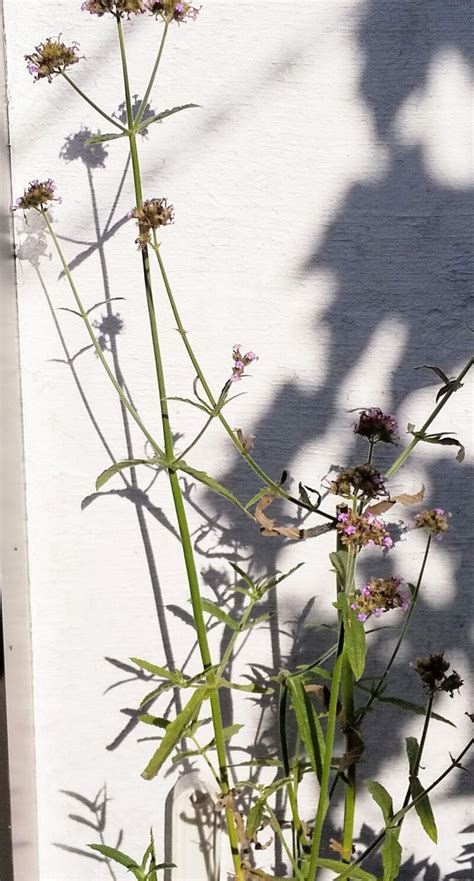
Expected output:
(268, 525)
(406, 499)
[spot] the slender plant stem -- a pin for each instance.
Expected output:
(176, 493)
(277, 828)
(99, 352)
(377, 841)
(401, 459)
(328, 756)
(421, 746)
(347, 695)
(275, 487)
(406, 623)
(92, 103)
(144, 102)
(298, 830)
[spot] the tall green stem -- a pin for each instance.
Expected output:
(328, 757)
(188, 551)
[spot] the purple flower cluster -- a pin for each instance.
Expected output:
(168, 10)
(241, 362)
(435, 521)
(37, 195)
(378, 596)
(377, 426)
(50, 58)
(362, 530)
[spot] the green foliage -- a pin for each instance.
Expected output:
(174, 732)
(382, 798)
(355, 646)
(391, 853)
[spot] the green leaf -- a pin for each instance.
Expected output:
(213, 484)
(309, 726)
(174, 732)
(423, 809)
(101, 139)
(419, 709)
(214, 610)
(339, 560)
(118, 856)
(193, 404)
(391, 853)
(254, 817)
(162, 672)
(336, 866)
(145, 123)
(355, 646)
(182, 614)
(251, 687)
(101, 303)
(382, 798)
(119, 466)
(412, 753)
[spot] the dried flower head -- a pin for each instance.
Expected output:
(432, 672)
(119, 8)
(363, 481)
(241, 362)
(377, 426)
(150, 215)
(435, 521)
(378, 596)
(37, 195)
(362, 530)
(51, 57)
(172, 10)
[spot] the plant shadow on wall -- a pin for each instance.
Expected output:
(365, 258)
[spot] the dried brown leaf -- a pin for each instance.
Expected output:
(268, 525)
(246, 440)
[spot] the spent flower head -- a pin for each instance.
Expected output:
(432, 672)
(380, 595)
(363, 481)
(435, 521)
(51, 57)
(150, 215)
(377, 426)
(241, 362)
(37, 195)
(119, 8)
(362, 530)
(172, 10)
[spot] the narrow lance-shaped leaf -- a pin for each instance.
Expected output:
(119, 857)
(423, 809)
(354, 641)
(202, 477)
(357, 873)
(105, 476)
(174, 732)
(382, 798)
(391, 853)
(219, 613)
(410, 707)
(164, 113)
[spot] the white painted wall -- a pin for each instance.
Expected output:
(323, 197)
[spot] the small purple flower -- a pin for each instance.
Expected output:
(378, 596)
(377, 426)
(435, 521)
(240, 362)
(37, 195)
(349, 530)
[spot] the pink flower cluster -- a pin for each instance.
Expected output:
(241, 362)
(37, 195)
(435, 521)
(362, 530)
(378, 596)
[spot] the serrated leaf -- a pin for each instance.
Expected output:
(119, 857)
(419, 709)
(182, 614)
(214, 610)
(382, 798)
(162, 672)
(145, 123)
(174, 732)
(213, 484)
(105, 476)
(423, 809)
(356, 873)
(355, 646)
(101, 139)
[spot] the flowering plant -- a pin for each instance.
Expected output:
(364, 496)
